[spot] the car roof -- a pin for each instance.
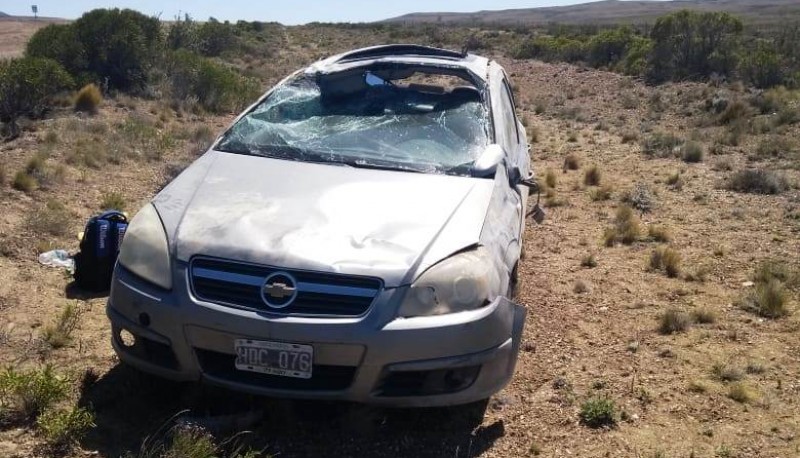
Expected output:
(404, 54)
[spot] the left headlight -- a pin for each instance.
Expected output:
(461, 282)
(144, 250)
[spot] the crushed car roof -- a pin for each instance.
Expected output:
(403, 54)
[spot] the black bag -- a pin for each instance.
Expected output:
(94, 265)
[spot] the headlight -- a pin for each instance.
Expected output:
(462, 282)
(144, 249)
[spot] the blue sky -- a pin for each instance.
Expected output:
(284, 11)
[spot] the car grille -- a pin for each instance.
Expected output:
(240, 285)
(323, 378)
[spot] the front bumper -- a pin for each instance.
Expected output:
(376, 359)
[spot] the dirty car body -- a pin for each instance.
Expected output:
(353, 236)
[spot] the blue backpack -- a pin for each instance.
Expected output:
(102, 238)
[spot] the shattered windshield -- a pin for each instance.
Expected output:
(368, 121)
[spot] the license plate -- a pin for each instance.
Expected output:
(274, 358)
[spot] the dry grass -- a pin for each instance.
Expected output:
(770, 300)
(59, 333)
(673, 321)
(727, 372)
(666, 259)
(113, 201)
(742, 393)
(659, 233)
(592, 176)
(550, 178)
(572, 162)
(704, 316)
(88, 99)
(602, 193)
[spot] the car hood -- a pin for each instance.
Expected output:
(321, 217)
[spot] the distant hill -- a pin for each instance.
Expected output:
(612, 11)
(2, 14)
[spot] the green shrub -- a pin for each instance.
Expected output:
(27, 394)
(549, 49)
(762, 67)
(117, 46)
(28, 85)
(62, 428)
(757, 181)
(598, 412)
(693, 45)
(216, 87)
(88, 99)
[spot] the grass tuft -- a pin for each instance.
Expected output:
(659, 233)
(742, 393)
(113, 201)
(593, 176)
(757, 181)
(59, 334)
(704, 316)
(769, 300)
(572, 162)
(88, 99)
(666, 259)
(673, 321)
(692, 152)
(726, 372)
(24, 182)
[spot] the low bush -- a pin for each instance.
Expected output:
(704, 316)
(216, 87)
(113, 201)
(666, 259)
(659, 233)
(23, 182)
(742, 393)
(28, 85)
(769, 300)
(27, 394)
(63, 428)
(572, 162)
(660, 144)
(726, 372)
(598, 412)
(692, 152)
(593, 176)
(673, 321)
(757, 181)
(88, 99)
(550, 178)
(602, 193)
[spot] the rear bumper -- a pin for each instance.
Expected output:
(375, 359)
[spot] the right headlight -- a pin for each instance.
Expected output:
(464, 281)
(144, 250)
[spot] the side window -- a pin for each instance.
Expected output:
(509, 133)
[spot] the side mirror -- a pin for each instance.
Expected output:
(516, 178)
(487, 162)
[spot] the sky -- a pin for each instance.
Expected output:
(284, 11)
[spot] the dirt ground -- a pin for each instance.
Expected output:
(598, 339)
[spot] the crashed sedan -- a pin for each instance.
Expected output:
(354, 235)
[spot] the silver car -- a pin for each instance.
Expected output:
(353, 236)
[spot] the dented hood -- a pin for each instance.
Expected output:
(321, 217)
